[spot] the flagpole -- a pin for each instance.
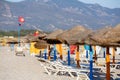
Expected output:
(20, 20)
(19, 28)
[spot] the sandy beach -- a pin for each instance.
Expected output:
(27, 67)
(14, 67)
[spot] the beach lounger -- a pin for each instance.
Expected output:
(84, 60)
(19, 50)
(59, 69)
(116, 73)
(115, 66)
(102, 68)
(56, 71)
(67, 71)
(101, 61)
(82, 76)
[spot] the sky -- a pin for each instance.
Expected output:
(104, 3)
(14, 0)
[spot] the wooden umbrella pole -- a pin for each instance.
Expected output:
(49, 52)
(77, 57)
(95, 55)
(113, 55)
(107, 64)
(60, 49)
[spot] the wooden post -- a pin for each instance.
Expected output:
(49, 52)
(107, 64)
(77, 57)
(113, 55)
(60, 49)
(95, 55)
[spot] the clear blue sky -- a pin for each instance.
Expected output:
(14, 0)
(105, 3)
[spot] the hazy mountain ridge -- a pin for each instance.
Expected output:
(53, 14)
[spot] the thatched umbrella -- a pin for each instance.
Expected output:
(11, 40)
(88, 40)
(107, 38)
(41, 44)
(1, 40)
(32, 38)
(51, 39)
(113, 35)
(75, 35)
(24, 39)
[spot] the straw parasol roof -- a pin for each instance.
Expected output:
(23, 39)
(95, 37)
(51, 38)
(1, 40)
(11, 40)
(53, 34)
(74, 36)
(113, 35)
(32, 38)
(106, 37)
(41, 44)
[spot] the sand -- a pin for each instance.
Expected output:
(14, 67)
(28, 67)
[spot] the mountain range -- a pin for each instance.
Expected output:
(49, 15)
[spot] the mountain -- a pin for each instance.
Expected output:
(54, 14)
